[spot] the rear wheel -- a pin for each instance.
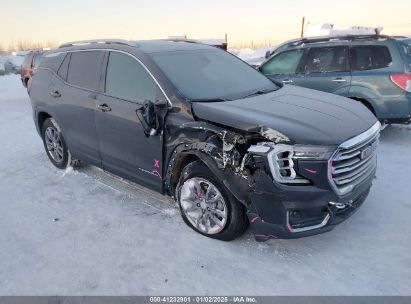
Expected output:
(207, 206)
(26, 82)
(54, 144)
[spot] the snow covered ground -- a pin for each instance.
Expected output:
(85, 232)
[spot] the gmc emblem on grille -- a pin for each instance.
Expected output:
(367, 152)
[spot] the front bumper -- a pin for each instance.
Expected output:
(300, 211)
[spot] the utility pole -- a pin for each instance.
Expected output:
(302, 27)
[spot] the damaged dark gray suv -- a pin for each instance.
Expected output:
(194, 122)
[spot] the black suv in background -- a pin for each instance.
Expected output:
(197, 123)
(375, 70)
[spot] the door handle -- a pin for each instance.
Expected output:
(55, 94)
(338, 80)
(104, 107)
(287, 81)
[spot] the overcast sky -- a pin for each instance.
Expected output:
(242, 20)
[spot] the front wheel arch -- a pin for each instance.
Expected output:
(236, 220)
(207, 154)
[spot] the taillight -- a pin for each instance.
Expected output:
(403, 81)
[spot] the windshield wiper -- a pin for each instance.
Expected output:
(209, 100)
(258, 92)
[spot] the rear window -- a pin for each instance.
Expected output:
(83, 69)
(326, 59)
(37, 61)
(370, 57)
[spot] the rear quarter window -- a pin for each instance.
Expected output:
(407, 50)
(62, 72)
(51, 61)
(370, 57)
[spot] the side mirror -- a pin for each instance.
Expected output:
(267, 54)
(151, 116)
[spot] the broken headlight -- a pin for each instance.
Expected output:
(282, 160)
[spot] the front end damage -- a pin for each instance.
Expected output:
(287, 190)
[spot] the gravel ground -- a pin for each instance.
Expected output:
(85, 232)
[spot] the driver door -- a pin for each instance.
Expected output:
(124, 148)
(284, 67)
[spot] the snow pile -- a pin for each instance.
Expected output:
(329, 29)
(252, 57)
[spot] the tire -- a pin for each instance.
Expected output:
(54, 144)
(26, 82)
(201, 209)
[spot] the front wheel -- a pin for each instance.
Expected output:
(207, 206)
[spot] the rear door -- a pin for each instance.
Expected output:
(125, 150)
(327, 69)
(284, 67)
(73, 94)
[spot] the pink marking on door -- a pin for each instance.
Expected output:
(254, 219)
(310, 171)
(156, 163)
(155, 172)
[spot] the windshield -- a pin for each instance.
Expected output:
(211, 74)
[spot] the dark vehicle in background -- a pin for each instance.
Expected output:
(31, 62)
(197, 123)
(375, 70)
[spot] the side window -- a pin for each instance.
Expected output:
(327, 59)
(407, 51)
(83, 69)
(283, 63)
(127, 79)
(370, 57)
(62, 72)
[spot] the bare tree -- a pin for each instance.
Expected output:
(51, 44)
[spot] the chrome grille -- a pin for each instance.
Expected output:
(354, 160)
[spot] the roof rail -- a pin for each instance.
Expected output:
(96, 41)
(179, 40)
(343, 37)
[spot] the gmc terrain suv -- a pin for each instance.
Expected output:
(192, 121)
(376, 70)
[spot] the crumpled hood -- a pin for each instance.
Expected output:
(294, 114)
